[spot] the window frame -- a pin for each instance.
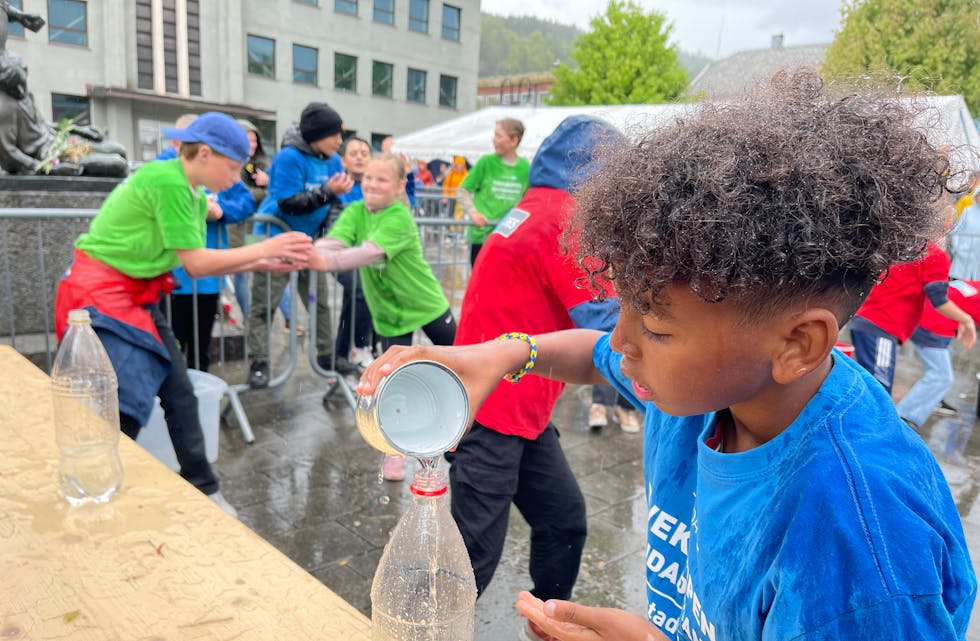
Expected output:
(248, 57)
(54, 30)
(408, 85)
(375, 65)
(15, 29)
(452, 31)
(336, 59)
(414, 21)
(316, 66)
(390, 12)
(345, 6)
(442, 79)
(85, 115)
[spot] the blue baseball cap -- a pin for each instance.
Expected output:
(216, 130)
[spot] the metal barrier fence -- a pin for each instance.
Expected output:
(36, 248)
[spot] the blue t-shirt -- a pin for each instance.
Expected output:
(842, 527)
(291, 172)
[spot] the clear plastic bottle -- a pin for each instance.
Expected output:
(86, 415)
(424, 589)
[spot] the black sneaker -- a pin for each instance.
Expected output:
(945, 409)
(258, 375)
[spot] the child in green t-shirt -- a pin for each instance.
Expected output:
(149, 225)
(495, 184)
(379, 236)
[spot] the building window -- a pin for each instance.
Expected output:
(416, 86)
(16, 28)
(345, 6)
(304, 65)
(65, 106)
(384, 11)
(447, 91)
(450, 22)
(376, 140)
(418, 15)
(312, 3)
(67, 22)
(381, 78)
(344, 72)
(261, 56)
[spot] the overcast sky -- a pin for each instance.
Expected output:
(714, 28)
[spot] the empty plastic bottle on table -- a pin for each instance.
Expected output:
(424, 589)
(86, 415)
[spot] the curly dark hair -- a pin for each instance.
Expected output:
(784, 196)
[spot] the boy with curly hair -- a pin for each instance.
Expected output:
(786, 499)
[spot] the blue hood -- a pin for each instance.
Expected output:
(565, 158)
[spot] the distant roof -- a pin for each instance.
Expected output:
(732, 75)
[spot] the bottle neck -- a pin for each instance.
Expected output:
(429, 482)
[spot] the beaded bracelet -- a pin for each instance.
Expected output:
(529, 365)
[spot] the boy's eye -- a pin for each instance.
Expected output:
(657, 336)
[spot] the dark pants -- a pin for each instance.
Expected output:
(180, 410)
(441, 331)
(355, 317)
(186, 326)
(474, 251)
(490, 471)
(876, 354)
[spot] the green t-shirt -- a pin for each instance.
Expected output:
(144, 219)
(496, 187)
(400, 289)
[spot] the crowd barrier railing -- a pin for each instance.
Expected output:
(36, 247)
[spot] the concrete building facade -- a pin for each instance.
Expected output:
(133, 66)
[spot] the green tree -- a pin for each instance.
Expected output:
(931, 44)
(624, 59)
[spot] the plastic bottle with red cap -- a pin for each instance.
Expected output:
(424, 586)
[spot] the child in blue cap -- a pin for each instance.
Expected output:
(149, 225)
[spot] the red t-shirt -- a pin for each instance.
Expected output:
(966, 295)
(895, 304)
(523, 282)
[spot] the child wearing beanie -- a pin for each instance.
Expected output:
(305, 178)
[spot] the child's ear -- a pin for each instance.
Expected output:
(807, 338)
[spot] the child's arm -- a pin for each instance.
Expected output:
(563, 356)
(332, 255)
(966, 332)
(285, 252)
(567, 621)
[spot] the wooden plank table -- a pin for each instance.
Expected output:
(159, 561)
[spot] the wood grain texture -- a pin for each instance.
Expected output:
(159, 561)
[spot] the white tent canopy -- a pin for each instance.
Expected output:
(947, 122)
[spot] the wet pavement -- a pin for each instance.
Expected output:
(311, 487)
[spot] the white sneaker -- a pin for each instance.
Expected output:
(361, 356)
(597, 416)
(223, 503)
(629, 420)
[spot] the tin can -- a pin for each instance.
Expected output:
(420, 409)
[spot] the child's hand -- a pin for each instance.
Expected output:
(261, 178)
(214, 209)
(340, 183)
(569, 621)
(291, 246)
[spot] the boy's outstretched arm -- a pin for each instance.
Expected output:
(569, 621)
(564, 356)
(966, 333)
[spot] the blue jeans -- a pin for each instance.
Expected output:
(243, 291)
(928, 391)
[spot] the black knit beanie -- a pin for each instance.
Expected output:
(318, 121)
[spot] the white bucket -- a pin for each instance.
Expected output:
(154, 437)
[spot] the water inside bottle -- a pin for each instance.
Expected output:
(89, 473)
